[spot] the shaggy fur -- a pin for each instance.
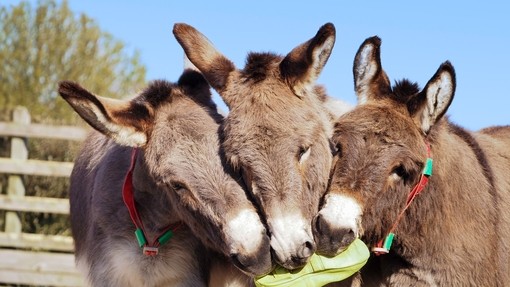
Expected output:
(179, 176)
(457, 231)
(277, 132)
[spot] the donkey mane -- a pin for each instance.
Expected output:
(197, 88)
(495, 129)
(477, 150)
(404, 89)
(194, 86)
(157, 92)
(258, 65)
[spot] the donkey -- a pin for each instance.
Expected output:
(276, 133)
(453, 230)
(178, 182)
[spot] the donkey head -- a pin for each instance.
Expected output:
(175, 126)
(381, 151)
(276, 133)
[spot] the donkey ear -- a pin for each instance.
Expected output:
(428, 106)
(303, 65)
(123, 121)
(188, 65)
(215, 67)
(370, 81)
(195, 86)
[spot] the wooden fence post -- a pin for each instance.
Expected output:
(33, 258)
(15, 186)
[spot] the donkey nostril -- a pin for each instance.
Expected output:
(348, 237)
(309, 245)
(308, 249)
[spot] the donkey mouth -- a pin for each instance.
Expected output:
(252, 265)
(331, 250)
(292, 262)
(333, 245)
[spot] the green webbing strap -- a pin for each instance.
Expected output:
(428, 167)
(140, 237)
(165, 237)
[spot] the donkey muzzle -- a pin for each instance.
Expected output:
(331, 240)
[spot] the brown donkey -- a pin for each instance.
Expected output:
(177, 181)
(453, 230)
(276, 133)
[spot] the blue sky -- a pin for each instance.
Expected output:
(417, 37)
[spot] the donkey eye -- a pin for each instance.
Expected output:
(178, 186)
(338, 150)
(304, 153)
(399, 172)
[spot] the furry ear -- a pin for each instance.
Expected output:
(196, 87)
(303, 65)
(123, 121)
(215, 67)
(370, 81)
(188, 65)
(429, 106)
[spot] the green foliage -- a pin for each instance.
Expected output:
(38, 48)
(41, 46)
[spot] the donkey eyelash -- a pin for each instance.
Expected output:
(178, 186)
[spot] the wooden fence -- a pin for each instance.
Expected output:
(25, 258)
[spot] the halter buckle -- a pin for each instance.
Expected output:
(150, 251)
(385, 248)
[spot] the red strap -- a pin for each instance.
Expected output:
(424, 179)
(417, 189)
(129, 201)
(127, 192)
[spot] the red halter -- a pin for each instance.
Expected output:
(149, 249)
(384, 248)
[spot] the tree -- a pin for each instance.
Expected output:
(38, 48)
(41, 46)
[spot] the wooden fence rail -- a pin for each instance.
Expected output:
(34, 259)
